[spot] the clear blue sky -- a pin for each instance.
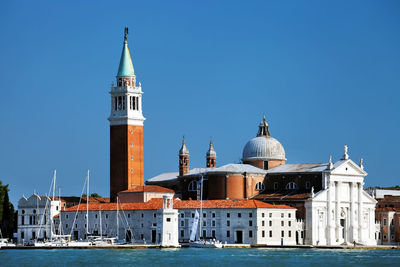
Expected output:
(325, 73)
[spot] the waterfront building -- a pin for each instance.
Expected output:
(388, 214)
(156, 221)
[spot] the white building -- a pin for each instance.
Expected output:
(156, 221)
(35, 217)
(342, 212)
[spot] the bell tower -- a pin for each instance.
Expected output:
(211, 156)
(183, 159)
(126, 127)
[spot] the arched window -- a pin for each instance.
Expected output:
(260, 186)
(291, 185)
(192, 186)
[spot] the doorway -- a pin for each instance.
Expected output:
(76, 235)
(128, 235)
(239, 237)
(297, 237)
(342, 223)
(153, 236)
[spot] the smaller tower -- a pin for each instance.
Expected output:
(183, 159)
(211, 156)
(167, 225)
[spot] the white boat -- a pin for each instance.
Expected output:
(4, 243)
(201, 243)
(205, 244)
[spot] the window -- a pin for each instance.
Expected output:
(228, 215)
(56, 207)
(213, 223)
(22, 235)
(204, 215)
(270, 233)
(275, 185)
(192, 215)
(204, 223)
(228, 233)
(239, 215)
(289, 215)
(392, 237)
(262, 214)
(270, 223)
(182, 233)
(119, 103)
(291, 185)
(66, 216)
(76, 225)
(131, 170)
(131, 144)
(34, 211)
(168, 219)
(250, 215)
(290, 233)
(384, 237)
(384, 221)
(308, 185)
(282, 215)
(262, 233)
(270, 215)
(95, 215)
(204, 233)
(282, 223)
(250, 223)
(283, 234)
(213, 233)
(228, 223)
(182, 215)
(289, 223)
(250, 234)
(33, 235)
(106, 215)
(22, 220)
(263, 223)
(182, 223)
(260, 186)
(192, 186)
(123, 103)
(131, 157)
(154, 215)
(115, 103)
(142, 215)
(66, 225)
(129, 215)
(213, 215)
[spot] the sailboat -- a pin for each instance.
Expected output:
(4, 241)
(201, 243)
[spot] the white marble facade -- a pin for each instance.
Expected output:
(341, 213)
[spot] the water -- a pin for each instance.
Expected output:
(200, 257)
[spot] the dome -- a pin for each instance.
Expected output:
(263, 148)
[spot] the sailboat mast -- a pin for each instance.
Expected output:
(50, 217)
(201, 203)
(117, 221)
(101, 226)
(87, 204)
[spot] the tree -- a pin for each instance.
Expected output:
(7, 221)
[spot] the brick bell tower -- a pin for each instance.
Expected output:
(126, 128)
(183, 159)
(211, 156)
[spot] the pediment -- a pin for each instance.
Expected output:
(348, 167)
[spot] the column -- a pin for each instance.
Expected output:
(329, 217)
(360, 215)
(352, 211)
(337, 210)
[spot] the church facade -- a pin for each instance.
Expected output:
(329, 197)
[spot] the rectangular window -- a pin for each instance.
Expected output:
(213, 233)
(228, 215)
(250, 223)
(384, 221)
(154, 215)
(290, 233)
(22, 235)
(250, 234)
(22, 219)
(283, 234)
(289, 215)
(239, 215)
(204, 233)
(182, 215)
(204, 223)
(115, 103)
(123, 103)
(228, 233)
(192, 215)
(282, 223)
(282, 215)
(270, 233)
(228, 223)
(182, 223)
(168, 219)
(213, 215)
(66, 225)
(182, 233)
(262, 233)
(204, 215)
(290, 223)
(270, 223)
(213, 223)
(307, 185)
(250, 215)
(270, 215)
(263, 223)
(262, 214)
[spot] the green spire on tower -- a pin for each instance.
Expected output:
(125, 64)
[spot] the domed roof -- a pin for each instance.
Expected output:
(264, 146)
(211, 152)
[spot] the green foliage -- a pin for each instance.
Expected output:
(7, 216)
(95, 195)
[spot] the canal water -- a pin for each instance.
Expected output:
(200, 257)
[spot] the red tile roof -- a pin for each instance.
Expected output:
(387, 209)
(156, 203)
(148, 188)
(279, 196)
